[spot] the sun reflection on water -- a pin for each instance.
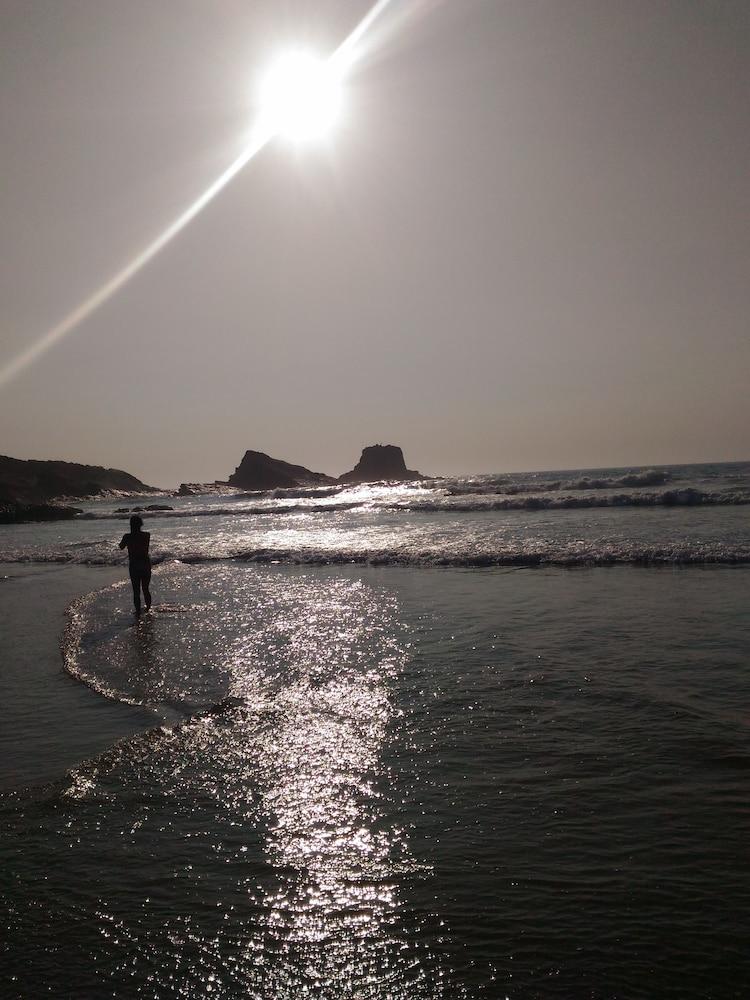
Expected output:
(281, 780)
(332, 918)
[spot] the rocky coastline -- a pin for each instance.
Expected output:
(33, 490)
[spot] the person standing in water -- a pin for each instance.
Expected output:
(136, 542)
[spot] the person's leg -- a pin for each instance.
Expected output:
(146, 584)
(136, 581)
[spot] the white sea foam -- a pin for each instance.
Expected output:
(454, 502)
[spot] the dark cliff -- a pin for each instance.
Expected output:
(33, 482)
(379, 462)
(258, 471)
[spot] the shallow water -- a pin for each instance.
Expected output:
(397, 782)
(49, 722)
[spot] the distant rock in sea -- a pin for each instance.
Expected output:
(379, 462)
(26, 487)
(18, 513)
(201, 489)
(258, 471)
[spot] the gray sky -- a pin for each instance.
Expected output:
(524, 246)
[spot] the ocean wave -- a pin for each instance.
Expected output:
(687, 497)
(649, 477)
(189, 512)
(564, 555)
(295, 492)
(451, 502)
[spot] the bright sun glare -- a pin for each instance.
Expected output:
(300, 96)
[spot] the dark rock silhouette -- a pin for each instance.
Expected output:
(379, 462)
(17, 513)
(201, 489)
(258, 471)
(33, 482)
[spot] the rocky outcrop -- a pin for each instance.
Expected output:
(258, 471)
(140, 510)
(18, 513)
(379, 462)
(33, 482)
(202, 489)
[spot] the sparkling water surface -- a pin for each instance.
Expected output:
(382, 781)
(676, 514)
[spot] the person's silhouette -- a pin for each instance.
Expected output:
(137, 542)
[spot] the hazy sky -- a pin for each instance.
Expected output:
(525, 246)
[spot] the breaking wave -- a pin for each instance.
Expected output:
(291, 493)
(188, 512)
(612, 555)
(565, 555)
(676, 516)
(649, 477)
(549, 497)
(687, 497)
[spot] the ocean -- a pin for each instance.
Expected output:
(477, 737)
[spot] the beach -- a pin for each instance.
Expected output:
(483, 737)
(375, 500)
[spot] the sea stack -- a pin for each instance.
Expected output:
(258, 471)
(379, 462)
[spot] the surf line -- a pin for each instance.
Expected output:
(344, 53)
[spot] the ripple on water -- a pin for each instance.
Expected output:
(245, 850)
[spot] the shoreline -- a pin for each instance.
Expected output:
(57, 722)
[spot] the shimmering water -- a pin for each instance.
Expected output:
(683, 514)
(380, 781)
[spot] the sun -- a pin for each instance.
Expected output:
(300, 96)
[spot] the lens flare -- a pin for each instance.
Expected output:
(304, 99)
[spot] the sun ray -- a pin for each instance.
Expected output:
(262, 135)
(116, 282)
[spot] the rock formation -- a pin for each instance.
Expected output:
(18, 513)
(217, 487)
(258, 471)
(379, 462)
(27, 486)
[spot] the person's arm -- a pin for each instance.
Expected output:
(148, 540)
(124, 541)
